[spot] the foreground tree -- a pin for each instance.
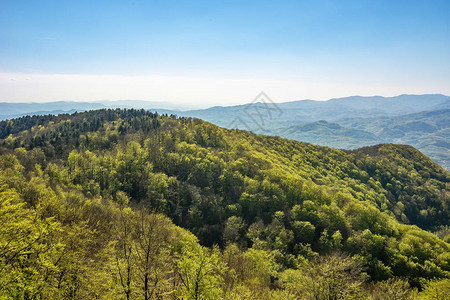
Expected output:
(331, 277)
(200, 270)
(124, 251)
(436, 290)
(154, 256)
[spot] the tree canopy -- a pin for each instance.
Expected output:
(92, 205)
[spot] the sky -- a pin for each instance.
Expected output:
(205, 53)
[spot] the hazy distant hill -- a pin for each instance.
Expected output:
(9, 110)
(329, 134)
(12, 110)
(304, 111)
(427, 131)
(403, 104)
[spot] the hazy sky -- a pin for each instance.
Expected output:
(204, 53)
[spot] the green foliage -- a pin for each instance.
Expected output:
(27, 252)
(92, 205)
(436, 289)
(330, 277)
(395, 289)
(200, 272)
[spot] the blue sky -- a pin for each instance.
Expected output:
(221, 52)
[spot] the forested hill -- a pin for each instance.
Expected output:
(396, 178)
(284, 202)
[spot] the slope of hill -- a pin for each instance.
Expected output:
(418, 120)
(329, 134)
(288, 201)
(427, 131)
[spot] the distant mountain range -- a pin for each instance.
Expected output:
(422, 121)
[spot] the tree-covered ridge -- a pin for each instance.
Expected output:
(357, 175)
(271, 205)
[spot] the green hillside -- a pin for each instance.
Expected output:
(92, 205)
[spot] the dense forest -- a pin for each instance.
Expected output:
(129, 204)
